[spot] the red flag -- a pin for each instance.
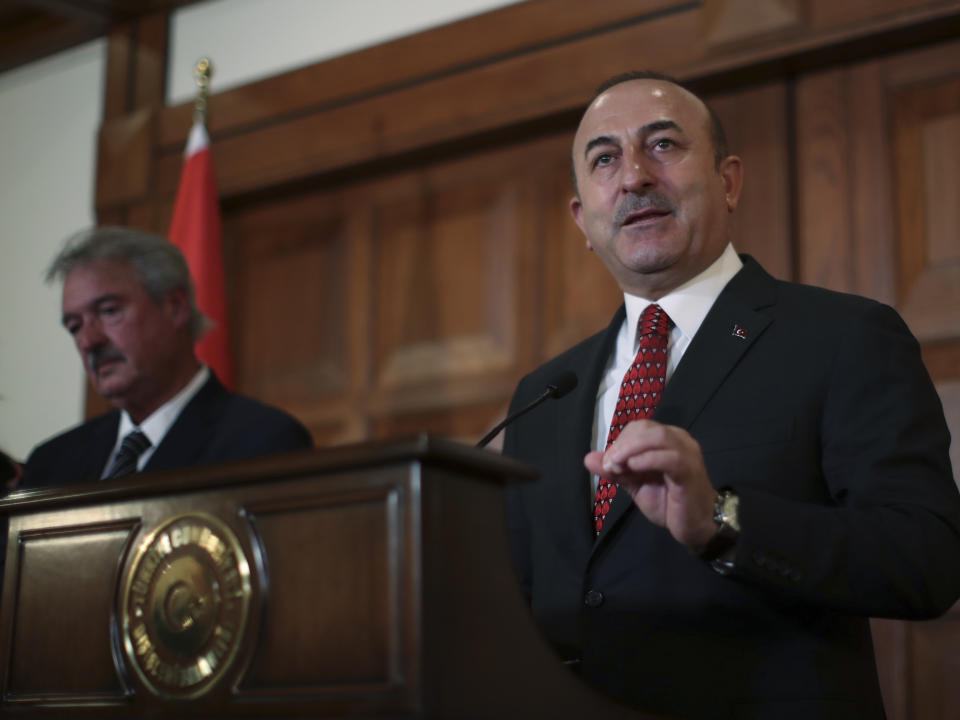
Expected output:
(195, 229)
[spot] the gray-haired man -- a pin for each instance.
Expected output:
(128, 302)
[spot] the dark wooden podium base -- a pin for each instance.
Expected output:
(368, 581)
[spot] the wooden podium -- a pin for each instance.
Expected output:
(363, 582)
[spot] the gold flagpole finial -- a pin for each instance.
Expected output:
(202, 72)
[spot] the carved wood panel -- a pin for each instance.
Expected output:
(926, 128)
(297, 292)
(756, 121)
(878, 146)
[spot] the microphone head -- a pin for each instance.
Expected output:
(562, 383)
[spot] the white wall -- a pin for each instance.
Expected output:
(252, 39)
(49, 116)
(47, 162)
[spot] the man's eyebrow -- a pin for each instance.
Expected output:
(601, 140)
(658, 125)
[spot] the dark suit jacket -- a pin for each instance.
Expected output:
(825, 422)
(215, 426)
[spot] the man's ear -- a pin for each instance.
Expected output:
(177, 304)
(576, 210)
(731, 172)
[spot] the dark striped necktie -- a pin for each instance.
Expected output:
(131, 448)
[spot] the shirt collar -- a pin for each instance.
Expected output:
(689, 304)
(155, 427)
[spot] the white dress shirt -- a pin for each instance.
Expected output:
(156, 426)
(687, 306)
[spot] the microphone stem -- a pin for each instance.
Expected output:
(485, 440)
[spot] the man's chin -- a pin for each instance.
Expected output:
(651, 262)
(110, 387)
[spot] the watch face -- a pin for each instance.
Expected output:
(731, 505)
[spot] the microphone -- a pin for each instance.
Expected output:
(562, 383)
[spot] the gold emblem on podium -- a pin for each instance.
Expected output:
(185, 604)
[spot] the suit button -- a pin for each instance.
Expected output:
(593, 598)
(760, 559)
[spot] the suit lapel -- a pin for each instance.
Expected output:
(730, 329)
(573, 496)
(189, 437)
(733, 325)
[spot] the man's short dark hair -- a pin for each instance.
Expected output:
(718, 136)
(158, 263)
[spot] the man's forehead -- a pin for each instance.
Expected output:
(100, 277)
(103, 269)
(636, 104)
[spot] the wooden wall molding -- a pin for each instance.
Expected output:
(728, 21)
(125, 159)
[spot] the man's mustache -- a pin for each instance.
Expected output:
(100, 355)
(635, 202)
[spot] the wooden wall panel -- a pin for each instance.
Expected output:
(927, 136)
(449, 256)
(757, 124)
(878, 147)
(125, 160)
(444, 280)
(825, 183)
(826, 13)
(871, 217)
(729, 21)
(295, 266)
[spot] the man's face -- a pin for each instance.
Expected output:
(129, 344)
(652, 203)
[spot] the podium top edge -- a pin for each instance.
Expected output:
(423, 449)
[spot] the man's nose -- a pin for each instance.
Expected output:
(90, 336)
(637, 173)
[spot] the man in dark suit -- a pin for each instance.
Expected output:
(128, 302)
(780, 470)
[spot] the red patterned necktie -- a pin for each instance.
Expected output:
(640, 392)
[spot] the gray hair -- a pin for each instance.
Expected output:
(159, 263)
